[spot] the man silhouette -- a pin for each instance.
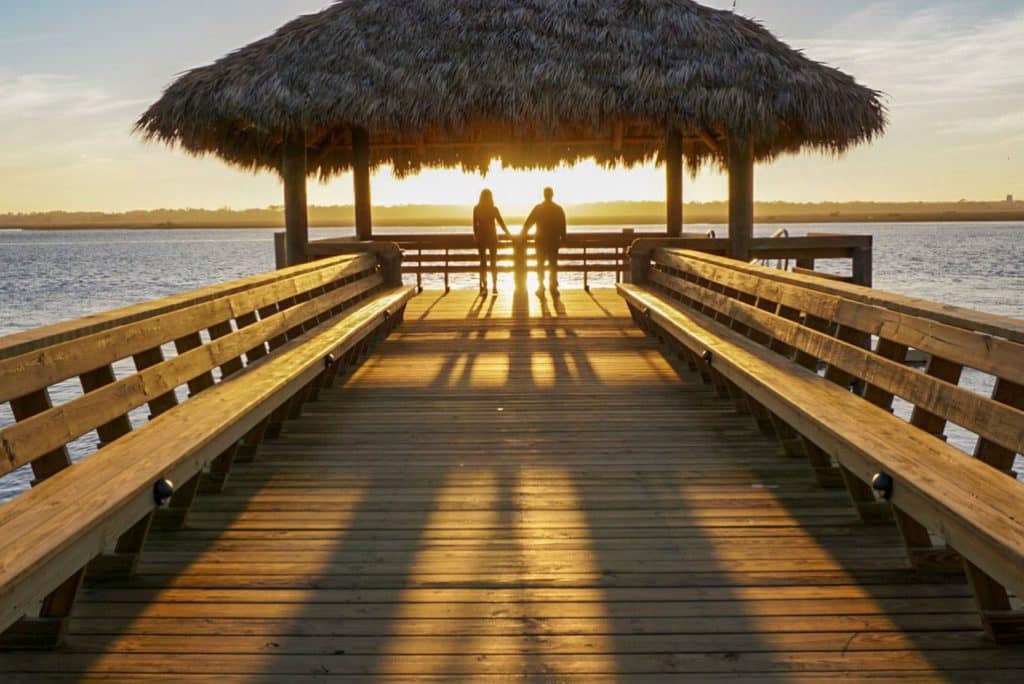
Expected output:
(550, 221)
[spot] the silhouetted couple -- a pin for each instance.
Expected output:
(549, 219)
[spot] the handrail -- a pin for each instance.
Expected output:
(951, 314)
(251, 354)
(763, 336)
(781, 264)
(857, 249)
(607, 252)
(24, 342)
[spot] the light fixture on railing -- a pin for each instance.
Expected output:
(163, 490)
(883, 484)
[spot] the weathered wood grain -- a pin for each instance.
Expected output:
(480, 499)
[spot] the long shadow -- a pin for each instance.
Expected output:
(608, 564)
(658, 569)
(481, 309)
(347, 581)
(630, 563)
(716, 562)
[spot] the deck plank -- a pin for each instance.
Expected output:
(513, 488)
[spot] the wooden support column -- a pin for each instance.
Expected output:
(674, 182)
(47, 631)
(214, 480)
(296, 212)
(863, 267)
(741, 198)
(124, 559)
(361, 179)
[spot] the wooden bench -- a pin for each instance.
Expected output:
(795, 352)
(249, 353)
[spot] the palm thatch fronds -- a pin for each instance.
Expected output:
(534, 82)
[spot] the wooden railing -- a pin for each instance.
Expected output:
(249, 353)
(603, 252)
(451, 254)
(794, 351)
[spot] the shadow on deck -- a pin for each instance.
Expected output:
(524, 488)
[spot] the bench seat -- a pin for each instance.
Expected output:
(69, 519)
(977, 509)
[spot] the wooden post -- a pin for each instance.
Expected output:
(674, 182)
(741, 198)
(862, 266)
(57, 460)
(280, 251)
(361, 179)
(390, 257)
(640, 266)
(626, 276)
(296, 217)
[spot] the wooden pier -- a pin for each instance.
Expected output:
(505, 488)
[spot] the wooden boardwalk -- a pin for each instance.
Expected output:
(523, 489)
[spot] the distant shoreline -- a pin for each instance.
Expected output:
(614, 213)
(581, 220)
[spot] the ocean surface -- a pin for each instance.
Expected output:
(47, 277)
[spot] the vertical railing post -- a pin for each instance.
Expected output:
(447, 283)
(280, 251)
(640, 264)
(623, 272)
(389, 255)
(863, 266)
(586, 271)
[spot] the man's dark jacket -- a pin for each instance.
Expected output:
(550, 221)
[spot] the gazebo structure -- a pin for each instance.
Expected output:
(457, 83)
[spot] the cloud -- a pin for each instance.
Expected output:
(934, 53)
(55, 95)
(949, 70)
(23, 39)
(1009, 122)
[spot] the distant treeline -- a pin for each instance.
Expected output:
(609, 213)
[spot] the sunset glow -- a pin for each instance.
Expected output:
(75, 75)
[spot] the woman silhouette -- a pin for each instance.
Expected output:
(485, 214)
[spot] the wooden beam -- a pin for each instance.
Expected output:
(741, 198)
(674, 182)
(296, 213)
(361, 179)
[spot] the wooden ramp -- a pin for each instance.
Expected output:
(523, 489)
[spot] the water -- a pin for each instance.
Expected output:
(52, 276)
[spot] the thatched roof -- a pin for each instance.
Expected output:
(536, 82)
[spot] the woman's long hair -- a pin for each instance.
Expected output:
(486, 199)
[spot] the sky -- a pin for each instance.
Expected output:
(75, 74)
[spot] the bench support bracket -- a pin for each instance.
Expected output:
(47, 631)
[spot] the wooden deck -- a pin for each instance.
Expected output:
(523, 489)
